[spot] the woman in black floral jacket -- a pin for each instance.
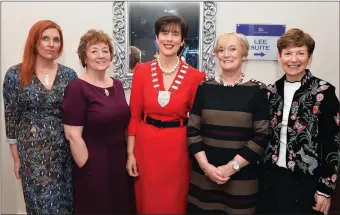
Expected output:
(302, 159)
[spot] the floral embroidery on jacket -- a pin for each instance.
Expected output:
(312, 138)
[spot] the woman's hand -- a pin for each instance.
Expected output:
(81, 163)
(131, 165)
(17, 168)
(322, 203)
(227, 170)
(214, 174)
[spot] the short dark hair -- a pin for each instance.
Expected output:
(134, 56)
(163, 22)
(296, 37)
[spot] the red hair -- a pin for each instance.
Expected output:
(30, 51)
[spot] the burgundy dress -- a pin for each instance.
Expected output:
(102, 185)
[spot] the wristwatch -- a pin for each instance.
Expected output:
(235, 165)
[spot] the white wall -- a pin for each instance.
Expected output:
(75, 18)
(321, 20)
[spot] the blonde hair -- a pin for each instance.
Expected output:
(224, 38)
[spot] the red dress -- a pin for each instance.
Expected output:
(161, 153)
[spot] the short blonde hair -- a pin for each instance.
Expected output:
(90, 38)
(224, 38)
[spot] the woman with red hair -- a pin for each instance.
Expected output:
(33, 92)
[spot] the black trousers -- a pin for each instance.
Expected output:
(286, 192)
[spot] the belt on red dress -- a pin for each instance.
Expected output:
(165, 124)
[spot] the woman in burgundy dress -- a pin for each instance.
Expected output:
(96, 115)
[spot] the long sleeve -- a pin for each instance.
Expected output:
(254, 148)
(194, 124)
(330, 140)
(10, 95)
(136, 100)
(200, 79)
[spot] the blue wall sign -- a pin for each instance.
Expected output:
(262, 40)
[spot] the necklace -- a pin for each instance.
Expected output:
(99, 84)
(169, 71)
(46, 79)
(107, 93)
(164, 96)
(232, 85)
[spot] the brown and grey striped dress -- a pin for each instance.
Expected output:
(224, 122)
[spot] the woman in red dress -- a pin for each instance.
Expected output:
(162, 94)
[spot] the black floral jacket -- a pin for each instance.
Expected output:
(313, 135)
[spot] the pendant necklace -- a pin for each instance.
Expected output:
(46, 79)
(107, 93)
(163, 95)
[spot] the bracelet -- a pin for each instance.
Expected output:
(324, 195)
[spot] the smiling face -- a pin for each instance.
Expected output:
(48, 46)
(98, 57)
(170, 40)
(294, 61)
(230, 54)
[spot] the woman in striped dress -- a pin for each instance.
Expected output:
(227, 132)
